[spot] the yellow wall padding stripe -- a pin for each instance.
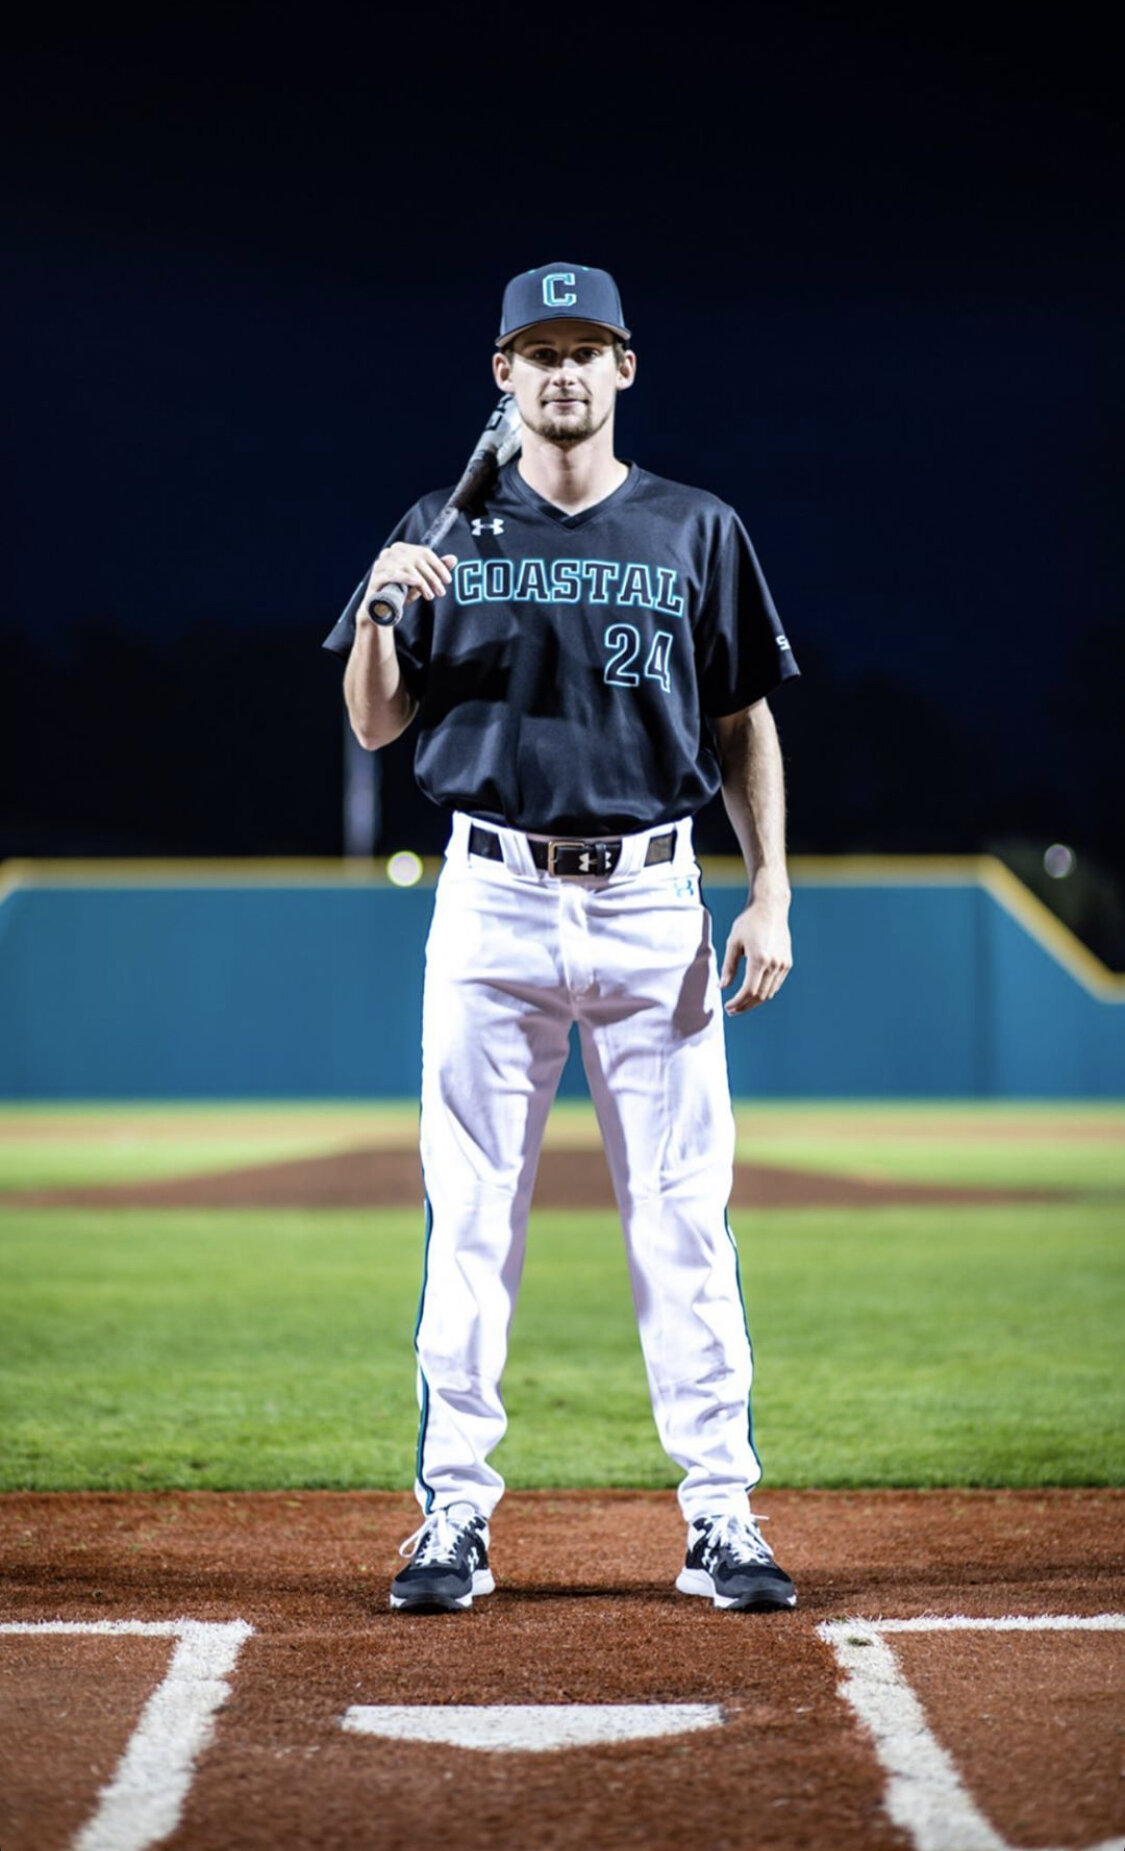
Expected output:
(1040, 923)
(313, 871)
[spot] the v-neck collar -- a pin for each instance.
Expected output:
(542, 506)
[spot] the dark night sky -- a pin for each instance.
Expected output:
(252, 272)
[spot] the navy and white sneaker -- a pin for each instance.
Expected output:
(728, 1560)
(448, 1562)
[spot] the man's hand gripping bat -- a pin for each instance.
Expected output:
(499, 442)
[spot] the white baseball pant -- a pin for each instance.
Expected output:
(513, 957)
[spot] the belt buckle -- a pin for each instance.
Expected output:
(553, 849)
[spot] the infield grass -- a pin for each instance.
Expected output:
(246, 1349)
(1039, 1143)
(74, 1146)
(1045, 1144)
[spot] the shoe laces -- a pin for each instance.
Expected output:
(740, 1537)
(436, 1539)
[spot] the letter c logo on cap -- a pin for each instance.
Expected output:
(557, 298)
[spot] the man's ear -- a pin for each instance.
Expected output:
(626, 370)
(502, 370)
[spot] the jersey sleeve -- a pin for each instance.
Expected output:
(412, 634)
(741, 649)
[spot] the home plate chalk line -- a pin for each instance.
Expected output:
(143, 1801)
(529, 1728)
(925, 1795)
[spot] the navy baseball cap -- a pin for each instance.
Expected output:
(558, 292)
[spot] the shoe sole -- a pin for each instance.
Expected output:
(421, 1602)
(698, 1581)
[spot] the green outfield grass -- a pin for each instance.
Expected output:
(70, 1146)
(921, 1346)
(1047, 1144)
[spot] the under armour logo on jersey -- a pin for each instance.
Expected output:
(479, 527)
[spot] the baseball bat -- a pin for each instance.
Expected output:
(499, 442)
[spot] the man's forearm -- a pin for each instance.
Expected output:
(379, 706)
(754, 795)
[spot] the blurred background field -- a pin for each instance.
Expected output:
(933, 1344)
(1053, 1143)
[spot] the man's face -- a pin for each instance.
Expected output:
(565, 377)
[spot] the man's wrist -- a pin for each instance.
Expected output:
(771, 886)
(375, 632)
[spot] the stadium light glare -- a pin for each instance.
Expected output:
(1059, 861)
(404, 869)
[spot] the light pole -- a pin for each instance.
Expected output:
(363, 798)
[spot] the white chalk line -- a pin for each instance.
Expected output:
(925, 1795)
(143, 1801)
(153, 1629)
(528, 1728)
(1014, 1622)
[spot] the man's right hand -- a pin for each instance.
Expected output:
(419, 568)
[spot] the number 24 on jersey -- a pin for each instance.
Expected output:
(625, 644)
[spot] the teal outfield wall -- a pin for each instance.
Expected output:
(252, 983)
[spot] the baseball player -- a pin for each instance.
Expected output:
(588, 665)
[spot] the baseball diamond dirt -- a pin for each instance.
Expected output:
(585, 1615)
(377, 1176)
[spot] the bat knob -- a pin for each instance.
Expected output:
(387, 606)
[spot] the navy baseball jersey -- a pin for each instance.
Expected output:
(567, 678)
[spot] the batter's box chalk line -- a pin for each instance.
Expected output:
(925, 1795)
(529, 1728)
(143, 1801)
